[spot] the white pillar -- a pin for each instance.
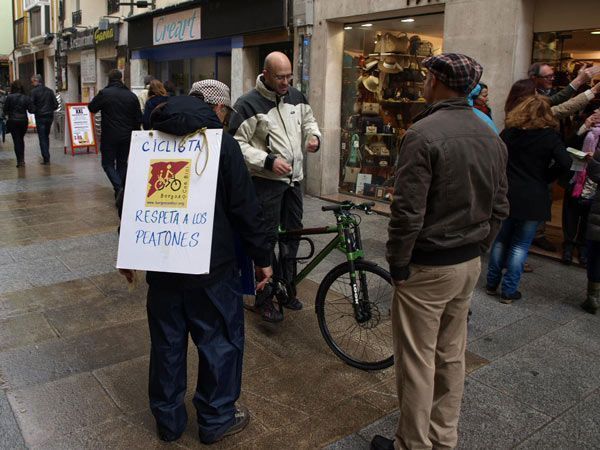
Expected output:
(325, 96)
(499, 35)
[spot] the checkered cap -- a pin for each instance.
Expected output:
(459, 72)
(213, 91)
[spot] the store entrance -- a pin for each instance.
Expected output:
(567, 52)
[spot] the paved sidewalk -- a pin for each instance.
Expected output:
(74, 342)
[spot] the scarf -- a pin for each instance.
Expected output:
(589, 146)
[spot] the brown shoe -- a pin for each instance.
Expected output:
(527, 268)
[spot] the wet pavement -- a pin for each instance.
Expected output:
(74, 342)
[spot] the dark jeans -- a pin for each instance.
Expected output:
(43, 126)
(593, 263)
(282, 205)
(114, 161)
(214, 317)
(510, 250)
(18, 129)
(3, 130)
(574, 219)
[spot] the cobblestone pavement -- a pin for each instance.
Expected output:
(74, 342)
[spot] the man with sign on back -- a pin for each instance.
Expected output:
(209, 307)
(120, 116)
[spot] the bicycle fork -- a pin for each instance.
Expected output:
(360, 305)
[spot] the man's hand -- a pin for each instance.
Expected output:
(263, 276)
(592, 72)
(593, 120)
(128, 274)
(595, 88)
(313, 144)
(281, 167)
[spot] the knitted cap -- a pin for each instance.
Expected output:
(460, 73)
(213, 91)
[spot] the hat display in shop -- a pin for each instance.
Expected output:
(370, 82)
(459, 72)
(213, 91)
(390, 64)
(370, 63)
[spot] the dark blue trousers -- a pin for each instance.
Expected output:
(214, 317)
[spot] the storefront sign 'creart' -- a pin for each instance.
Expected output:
(177, 27)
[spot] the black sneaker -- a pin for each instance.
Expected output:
(268, 312)
(293, 304)
(381, 443)
(166, 435)
(240, 421)
(507, 299)
(491, 290)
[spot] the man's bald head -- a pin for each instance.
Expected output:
(277, 72)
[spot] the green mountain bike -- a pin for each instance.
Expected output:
(353, 302)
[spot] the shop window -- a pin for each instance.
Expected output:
(382, 91)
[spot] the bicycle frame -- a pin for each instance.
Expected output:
(344, 242)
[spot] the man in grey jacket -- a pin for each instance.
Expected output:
(274, 124)
(449, 200)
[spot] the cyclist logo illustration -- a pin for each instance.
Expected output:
(168, 183)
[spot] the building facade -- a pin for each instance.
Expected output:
(366, 79)
(6, 41)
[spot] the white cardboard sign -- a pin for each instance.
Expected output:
(169, 204)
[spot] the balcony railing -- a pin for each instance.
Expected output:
(76, 17)
(20, 35)
(112, 6)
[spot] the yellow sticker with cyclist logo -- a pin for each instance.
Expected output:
(168, 183)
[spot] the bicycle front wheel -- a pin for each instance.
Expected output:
(360, 335)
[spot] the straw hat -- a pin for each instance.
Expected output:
(370, 82)
(390, 64)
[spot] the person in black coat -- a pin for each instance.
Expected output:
(44, 104)
(208, 307)
(533, 143)
(120, 116)
(15, 109)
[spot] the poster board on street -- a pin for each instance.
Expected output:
(31, 125)
(80, 129)
(169, 203)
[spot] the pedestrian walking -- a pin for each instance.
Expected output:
(587, 183)
(15, 109)
(120, 116)
(157, 94)
(3, 97)
(207, 307)
(274, 125)
(531, 136)
(449, 200)
(44, 104)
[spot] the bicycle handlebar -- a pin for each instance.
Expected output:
(348, 205)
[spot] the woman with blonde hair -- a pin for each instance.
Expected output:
(533, 142)
(157, 94)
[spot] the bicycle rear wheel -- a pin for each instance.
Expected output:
(364, 343)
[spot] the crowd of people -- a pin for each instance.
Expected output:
(462, 188)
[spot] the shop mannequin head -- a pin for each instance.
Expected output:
(277, 72)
